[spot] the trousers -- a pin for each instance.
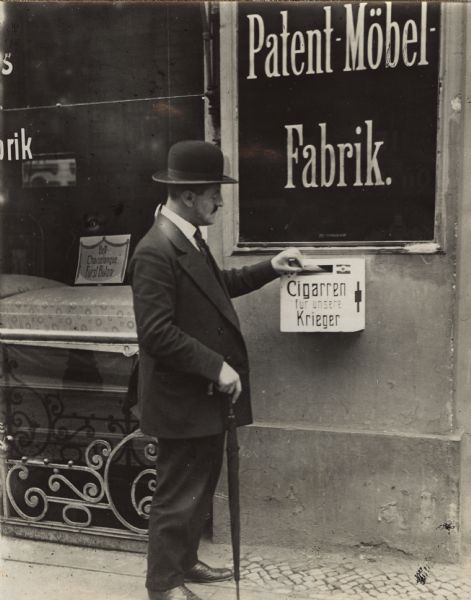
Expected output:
(187, 474)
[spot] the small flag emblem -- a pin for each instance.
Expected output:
(343, 269)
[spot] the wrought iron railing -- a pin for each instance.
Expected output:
(63, 467)
(54, 493)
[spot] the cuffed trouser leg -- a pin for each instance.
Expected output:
(203, 506)
(187, 475)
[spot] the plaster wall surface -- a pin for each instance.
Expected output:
(463, 313)
(354, 439)
(304, 488)
(396, 375)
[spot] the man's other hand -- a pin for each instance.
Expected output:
(229, 382)
(288, 261)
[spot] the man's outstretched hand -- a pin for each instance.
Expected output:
(288, 261)
(229, 382)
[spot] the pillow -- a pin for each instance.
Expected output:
(11, 284)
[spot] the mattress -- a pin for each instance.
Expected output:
(12, 284)
(92, 310)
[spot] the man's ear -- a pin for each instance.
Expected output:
(188, 198)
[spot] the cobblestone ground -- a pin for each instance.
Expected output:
(357, 577)
(45, 571)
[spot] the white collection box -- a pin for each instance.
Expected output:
(329, 296)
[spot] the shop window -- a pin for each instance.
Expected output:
(102, 90)
(335, 143)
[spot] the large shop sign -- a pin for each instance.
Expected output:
(337, 121)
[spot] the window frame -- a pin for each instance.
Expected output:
(449, 73)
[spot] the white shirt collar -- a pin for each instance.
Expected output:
(183, 225)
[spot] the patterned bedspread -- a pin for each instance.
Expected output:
(100, 309)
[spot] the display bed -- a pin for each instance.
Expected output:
(75, 466)
(69, 313)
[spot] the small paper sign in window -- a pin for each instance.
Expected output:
(102, 259)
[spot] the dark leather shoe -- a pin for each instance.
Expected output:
(202, 573)
(177, 593)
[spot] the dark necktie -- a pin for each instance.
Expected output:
(203, 247)
(206, 252)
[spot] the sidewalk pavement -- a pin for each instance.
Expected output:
(33, 570)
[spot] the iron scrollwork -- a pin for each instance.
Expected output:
(56, 493)
(40, 421)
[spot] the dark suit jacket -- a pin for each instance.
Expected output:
(187, 327)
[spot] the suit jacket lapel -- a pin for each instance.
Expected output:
(195, 265)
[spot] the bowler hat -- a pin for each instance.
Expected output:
(193, 162)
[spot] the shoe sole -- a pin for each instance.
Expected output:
(209, 580)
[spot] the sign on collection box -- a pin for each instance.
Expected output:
(328, 296)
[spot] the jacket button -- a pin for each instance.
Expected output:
(220, 330)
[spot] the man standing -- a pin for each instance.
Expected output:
(192, 355)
